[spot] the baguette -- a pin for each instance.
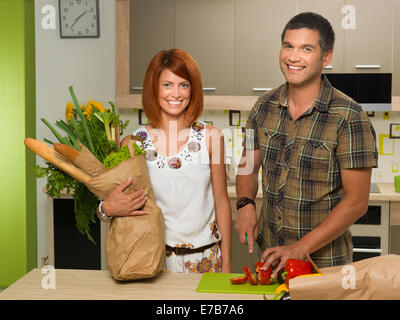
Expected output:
(49, 154)
(66, 151)
(84, 159)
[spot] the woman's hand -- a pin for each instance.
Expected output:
(120, 204)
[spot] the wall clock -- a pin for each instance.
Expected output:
(79, 18)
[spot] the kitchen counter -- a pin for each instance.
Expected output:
(71, 284)
(387, 193)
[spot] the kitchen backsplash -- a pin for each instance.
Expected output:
(386, 124)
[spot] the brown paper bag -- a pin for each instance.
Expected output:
(88, 162)
(135, 246)
(375, 278)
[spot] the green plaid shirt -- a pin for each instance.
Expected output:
(301, 163)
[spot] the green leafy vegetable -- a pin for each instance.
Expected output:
(116, 157)
(138, 150)
(85, 204)
(83, 124)
(57, 180)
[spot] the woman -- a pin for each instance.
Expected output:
(186, 165)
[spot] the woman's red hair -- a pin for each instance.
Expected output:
(183, 65)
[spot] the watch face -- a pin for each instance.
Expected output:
(79, 18)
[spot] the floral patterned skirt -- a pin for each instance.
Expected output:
(207, 261)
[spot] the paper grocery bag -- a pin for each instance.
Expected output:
(135, 245)
(88, 162)
(375, 278)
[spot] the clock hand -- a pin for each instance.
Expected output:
(80, 16)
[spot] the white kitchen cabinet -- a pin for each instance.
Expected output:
(368, 47)
(206, 30)
(366, 229)
(332, 11)
(259, 24)
(396, 53)
(151, 30)
(236, 43)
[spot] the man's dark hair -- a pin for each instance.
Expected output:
(315, 22)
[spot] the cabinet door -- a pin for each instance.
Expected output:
(205, 29)
(259, 24)
(396, 50)
(151, 30)
(368, 47)
(72, 250)
(332, 11)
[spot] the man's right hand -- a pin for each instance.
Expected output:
(246, 223)
(120, 204)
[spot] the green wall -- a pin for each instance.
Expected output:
(17, 121)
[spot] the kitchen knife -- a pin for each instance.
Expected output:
(251, 255)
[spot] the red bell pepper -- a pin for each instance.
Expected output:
(295, 268)
(239, 280)
(263, 276)
(249, 275)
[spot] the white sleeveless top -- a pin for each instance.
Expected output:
(183, 190)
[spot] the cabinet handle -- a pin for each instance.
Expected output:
(328, 67)
(367, 250)
(261, 89)
(204, 89)
(368, 66)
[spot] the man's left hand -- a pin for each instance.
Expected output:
(276, 257)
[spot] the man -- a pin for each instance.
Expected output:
(317, 150)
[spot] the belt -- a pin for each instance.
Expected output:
(182, 251)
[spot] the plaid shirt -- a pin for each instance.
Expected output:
(301, 162)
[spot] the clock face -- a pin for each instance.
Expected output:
(79, 18)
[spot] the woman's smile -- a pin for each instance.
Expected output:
(174, 93)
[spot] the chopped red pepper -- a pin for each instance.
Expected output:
(249, 275)
(239, 280)
(295, 268)
(263, 276)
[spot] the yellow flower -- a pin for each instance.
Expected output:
(97, 105)
(68, 111)
(87, 110)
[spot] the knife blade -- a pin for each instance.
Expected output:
(251, 255)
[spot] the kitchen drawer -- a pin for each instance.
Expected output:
(371, 232)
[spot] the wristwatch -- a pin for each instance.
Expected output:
(244, 201)
(102, 216)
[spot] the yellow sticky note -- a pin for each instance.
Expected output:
(386, 145)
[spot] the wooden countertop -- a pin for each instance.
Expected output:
(99, 285)
(387, 193)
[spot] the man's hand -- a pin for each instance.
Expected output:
(247, 186)
(276, 257)
(356, 184)
(120, 204)
(246, 223)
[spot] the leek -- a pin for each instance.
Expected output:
(83, 120)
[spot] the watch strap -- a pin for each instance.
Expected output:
(243, 201)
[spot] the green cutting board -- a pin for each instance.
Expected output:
(220, 282)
